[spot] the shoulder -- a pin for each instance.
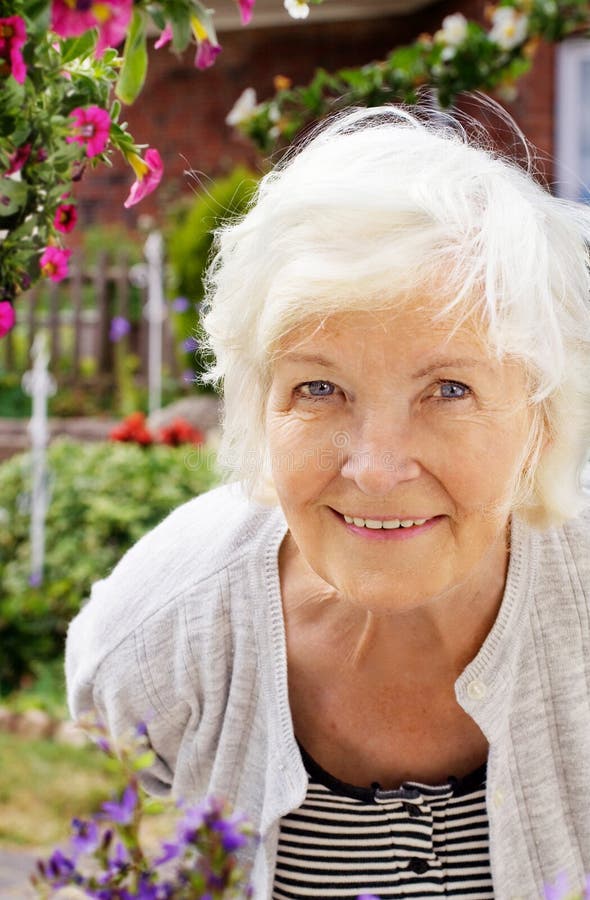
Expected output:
(561, 609)
(179, 566)
(190, 545)
(565, 554)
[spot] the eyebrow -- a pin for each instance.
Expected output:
(442, 362)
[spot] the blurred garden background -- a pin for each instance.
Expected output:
(118, 460)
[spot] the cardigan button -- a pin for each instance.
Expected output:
(476, 690)
(419, 865)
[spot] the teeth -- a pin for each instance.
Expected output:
(375, 524)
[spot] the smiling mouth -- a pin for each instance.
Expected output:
(384, 524)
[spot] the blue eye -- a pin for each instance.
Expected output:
(453, 390)
(315, 390)
(320, 388)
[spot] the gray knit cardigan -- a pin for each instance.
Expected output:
(187, 634)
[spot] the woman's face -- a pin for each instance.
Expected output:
(395, 444)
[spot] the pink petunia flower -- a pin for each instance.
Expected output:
(17, 159)
(13, 36)
(165, 37)
(54, 263)
(206, 54)
(149, 174)
(70, 18)
(207, 47)
(7, 317)
(113, 21)
(246, 7)
(92, 126)
(66, 216)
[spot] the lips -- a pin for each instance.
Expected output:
(384, 528)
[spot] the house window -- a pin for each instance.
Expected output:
(572, 118)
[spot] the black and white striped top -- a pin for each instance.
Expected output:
(417, 841)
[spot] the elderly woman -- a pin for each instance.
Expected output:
(375, 641)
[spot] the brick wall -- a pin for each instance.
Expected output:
(181, 111)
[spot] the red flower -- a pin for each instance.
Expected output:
(246, 7)
(149, 174)
(133, 429)
(70, 18)
(13, 36)
(66, 216)
(18, 159)
(7, 317)
(180, 432)
(92, 126)
(54, 263)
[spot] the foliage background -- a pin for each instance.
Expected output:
(104, 497)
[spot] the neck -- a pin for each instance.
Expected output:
(433, 642)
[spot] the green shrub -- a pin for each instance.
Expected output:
(103, 498)
(188, 245)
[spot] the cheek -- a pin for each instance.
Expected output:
(487, 470)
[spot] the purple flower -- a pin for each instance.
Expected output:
(60, 867)
(180, 304)
(36, 580)
(120, 327)
(122, 811)
(85, 836)
(117, 864)
(559, 890)
(170, 851)
(190, 344)
(188, 376)
(232, 838)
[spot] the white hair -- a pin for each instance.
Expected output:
(381, 204)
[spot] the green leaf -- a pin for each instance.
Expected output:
(181, 25)
(12, 95)
(80, 47)
(13, 195)
(144, 761)
(135, 60)
(21, 132)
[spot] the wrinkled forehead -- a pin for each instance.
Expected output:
(419, 327)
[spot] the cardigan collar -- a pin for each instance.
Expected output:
(483, 689)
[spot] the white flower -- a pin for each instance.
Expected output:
(243, 108)
(453, 31)
(509, 27)
(274, 113)
(297, 9)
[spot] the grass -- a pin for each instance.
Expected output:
(43, 785)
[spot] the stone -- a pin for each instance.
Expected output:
(201, 411)
(33, 723)
(70, 733)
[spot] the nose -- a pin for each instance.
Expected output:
(381, 454)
